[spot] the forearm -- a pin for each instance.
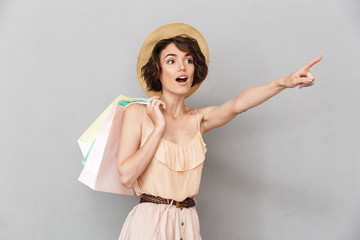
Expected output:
(135, 165)
(254, 96)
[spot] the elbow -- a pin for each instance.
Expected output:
(240, 107)
(127, 183)
(124, 178)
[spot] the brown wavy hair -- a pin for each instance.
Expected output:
(152, 69)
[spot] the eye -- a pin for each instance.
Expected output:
(189, 60)
(170, 61)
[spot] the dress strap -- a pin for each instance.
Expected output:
(198, 119)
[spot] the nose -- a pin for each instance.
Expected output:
(181, 66)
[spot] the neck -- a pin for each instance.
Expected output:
(175, 106)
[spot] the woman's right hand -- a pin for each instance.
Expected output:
(154, 110)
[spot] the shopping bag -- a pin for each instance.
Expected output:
(99, 145)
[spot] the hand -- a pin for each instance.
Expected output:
(302, 77)
(154, 110)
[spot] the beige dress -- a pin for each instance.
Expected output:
(173, 173)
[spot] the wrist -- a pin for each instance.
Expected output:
(280, 82)
(159, 130)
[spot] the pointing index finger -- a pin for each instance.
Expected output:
(312, 63)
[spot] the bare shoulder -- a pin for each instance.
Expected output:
(136, 110)
(135, 113)
(200, 111)
(217, 116)
(135, 107)
(203, 112)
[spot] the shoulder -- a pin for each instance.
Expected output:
(135, 112)
(134, 107)
(192, 111)
(201, 111)
(204, 111)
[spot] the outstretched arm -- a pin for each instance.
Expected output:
(216, 116)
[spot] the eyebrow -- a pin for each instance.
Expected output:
(174, 55)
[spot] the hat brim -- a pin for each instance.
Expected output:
(163, 32)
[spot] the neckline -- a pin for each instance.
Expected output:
(151, 127)
(177, 144)
(184, 144)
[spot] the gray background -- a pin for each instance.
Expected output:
(287, 169)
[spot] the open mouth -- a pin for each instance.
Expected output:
(181, 79)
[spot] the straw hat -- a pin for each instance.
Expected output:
(163, 32)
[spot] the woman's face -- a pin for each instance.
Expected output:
(177, 70)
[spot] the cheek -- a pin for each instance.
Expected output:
(192, 69)
(164, 68)
(165, 72)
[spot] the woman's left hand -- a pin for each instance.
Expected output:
(302, 77)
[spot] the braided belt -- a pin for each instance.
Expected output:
(187, 203)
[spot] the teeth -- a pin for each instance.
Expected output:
(182, 79)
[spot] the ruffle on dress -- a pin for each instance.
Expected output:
(182, 157)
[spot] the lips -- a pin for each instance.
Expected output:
(182, 78)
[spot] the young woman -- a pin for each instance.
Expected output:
(161, 149)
